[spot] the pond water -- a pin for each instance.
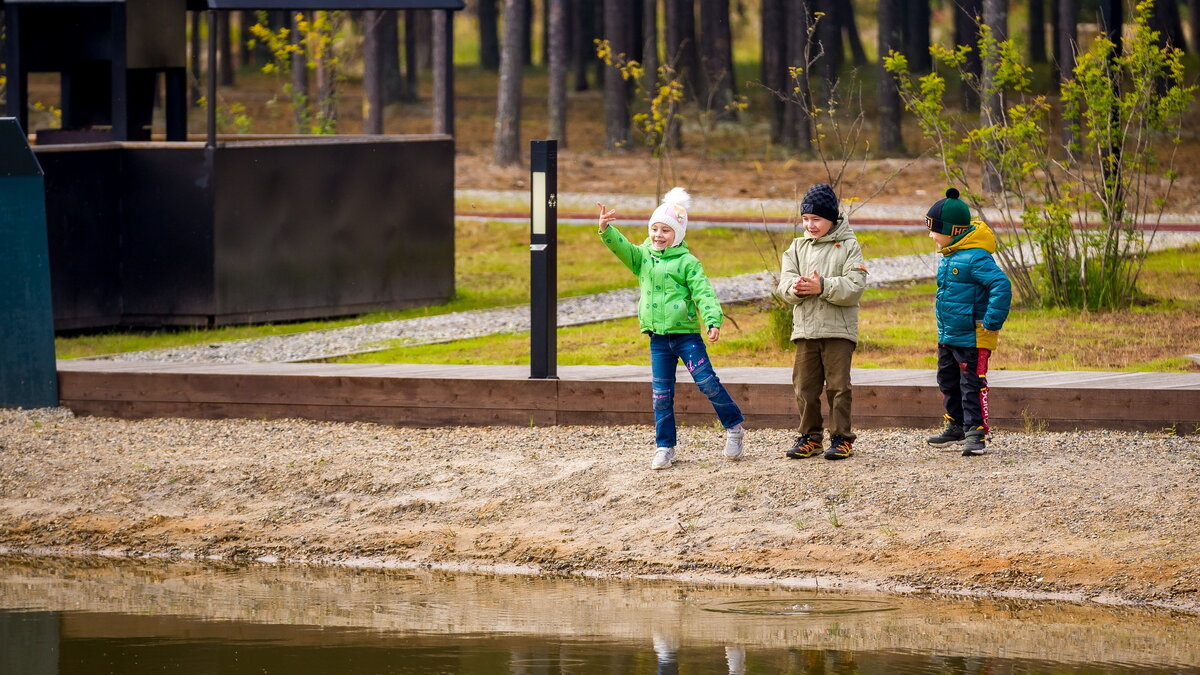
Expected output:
(102, 615)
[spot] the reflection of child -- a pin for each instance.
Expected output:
(823, 275)
(973, 298)
(675, 295)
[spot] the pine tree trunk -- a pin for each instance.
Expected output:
(773, 71)
(301, 98)
(489, 43)
(650, 43)
(682, 54)
(372, 72)
(527, 33)
(715, 39)
(890, 107)
(1194, 20)
(423, 34)
(225, 65)
(797, 114)
(966, 32)
(558, 44)
(326, 103)
(1037, 31)
(850, 29)
(616, 97)
(915, 19)
(508, 100)
(828, 38)
(411, 60)
(389, 37)
(995, 17)
(194, 59)
(583, 50)
(1067, 38)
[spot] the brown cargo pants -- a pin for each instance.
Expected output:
(823, 363)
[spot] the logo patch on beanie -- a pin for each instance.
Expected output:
(958, 229)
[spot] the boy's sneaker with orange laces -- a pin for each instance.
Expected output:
(839, 448)
(805, 447)
(951, 433)
(973, 444)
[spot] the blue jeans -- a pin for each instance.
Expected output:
(665, 353)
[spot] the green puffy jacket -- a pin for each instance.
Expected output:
(839, 260)
(675, 291)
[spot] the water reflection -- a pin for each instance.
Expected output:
(117, 616)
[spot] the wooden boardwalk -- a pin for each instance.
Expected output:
(435, 395)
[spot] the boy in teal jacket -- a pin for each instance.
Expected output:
(973, 299)
(675, 295)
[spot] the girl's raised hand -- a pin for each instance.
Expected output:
(606, 217)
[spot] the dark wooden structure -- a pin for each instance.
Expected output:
(229, 230)
(430, 395)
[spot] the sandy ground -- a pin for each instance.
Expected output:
(1087, 515)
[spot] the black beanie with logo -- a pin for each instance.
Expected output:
(820, 200)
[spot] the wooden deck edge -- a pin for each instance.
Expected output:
(429, 402)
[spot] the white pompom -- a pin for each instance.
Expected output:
(678, 195)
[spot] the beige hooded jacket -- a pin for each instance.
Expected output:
(839, 260)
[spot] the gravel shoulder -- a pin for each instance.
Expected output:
(1105, 516)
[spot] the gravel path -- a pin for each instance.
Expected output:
(323, 344)
(1084, 515)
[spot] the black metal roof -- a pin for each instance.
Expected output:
(301, 5)
(310, 5)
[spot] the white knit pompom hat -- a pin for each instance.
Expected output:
(673, 212)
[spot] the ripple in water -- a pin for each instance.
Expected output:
(814, 606)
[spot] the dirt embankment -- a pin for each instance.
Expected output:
(1101, 515)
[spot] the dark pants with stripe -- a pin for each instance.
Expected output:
(962, 379)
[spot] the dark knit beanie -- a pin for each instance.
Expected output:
(949, 216)
(820, 201)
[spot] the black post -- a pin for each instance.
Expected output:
(543, 259)
(211, 141)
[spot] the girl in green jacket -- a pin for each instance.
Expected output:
(675, 296)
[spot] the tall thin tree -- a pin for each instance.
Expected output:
(850, 30)
(225, 65)
(508, 100)
(967, 16)
(995, 17)
(300, 86)
(915, 25)
(1037, 31)
(389, 38)
(797, 115)
(373, 105)
(617, 127)
(650, 43)
(680, 46)
(557, 53)
(583, 50)
(828, 52)
(773, 67)
(890, 15)
(489, 42)
(411, 60)
(1066, 42)
(716, 40)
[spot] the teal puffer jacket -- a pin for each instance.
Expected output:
(675, 291)
(973, 293)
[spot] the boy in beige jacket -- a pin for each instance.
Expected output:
(823, 276)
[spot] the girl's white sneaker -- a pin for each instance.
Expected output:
(663, 458)
(733, 442)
